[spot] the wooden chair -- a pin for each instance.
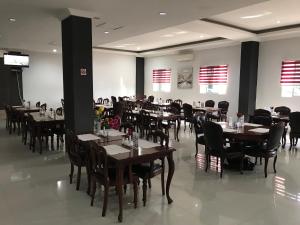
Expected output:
(188, 115)
(199, 132)
(179, 101)
(269, 148)
(261, 112)
(38, 104)
(213, 136)
(295, 128)
(222, 113)
(105, 101)
(100, 101)
(283, 111)
(44, 106)
(113, 99)
(151, 98)
(104, 175)
(59, 129)
(146, 125)
(77, 156)
(210, 103)
(169, 100)
(147, 171)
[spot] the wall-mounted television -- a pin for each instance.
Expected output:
(17, 60)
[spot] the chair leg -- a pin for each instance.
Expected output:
(222, 164)
(207, 161)
(93, 191)
(291, 142)
(163, 181)
(196, 149)
(71, 173)
(149, 183)
(266, 166)
(125, 188)
(184, 125)
(135, 194)
(106, 187)
(274, 164)
(242, 165)
(144, 191)
(78, 178)
(57, 141)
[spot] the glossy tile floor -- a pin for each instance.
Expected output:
(34, 190)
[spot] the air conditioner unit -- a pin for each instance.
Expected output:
(185, 57)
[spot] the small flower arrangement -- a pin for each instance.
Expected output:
(99, 113)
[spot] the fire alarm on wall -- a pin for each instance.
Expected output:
(83, 72)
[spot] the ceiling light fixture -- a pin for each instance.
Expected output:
(278, 21)
(54, 50)
(162, 13)
(181, 32)
(119, 46)
(128, 44)
(106, 32)
(138, 48)
(12, 20)
(201, 36)
(256, 15)
(168, 35)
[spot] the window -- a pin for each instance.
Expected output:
(213, 79)
(161, 80)
(290, 78)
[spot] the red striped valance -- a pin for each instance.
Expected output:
(290, 72)
(161, 76)
(213, 74)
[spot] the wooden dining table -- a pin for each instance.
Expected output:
(246, 132)
(165, 116)
(41, 121)
(134, 156)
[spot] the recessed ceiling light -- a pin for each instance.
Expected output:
(278, 21)
(181, 32)
(54, 50)
(128, 44)
(138, 48)
(162, 13)
(256, 15)
(12, 20)
(106, 32)
(119, 46)
(201, 36)
(168, 35)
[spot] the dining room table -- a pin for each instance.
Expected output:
(45, 121)
(160, 116)
(125, 155)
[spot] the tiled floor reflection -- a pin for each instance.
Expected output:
(35, 190)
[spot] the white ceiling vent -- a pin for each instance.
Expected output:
(184, 57)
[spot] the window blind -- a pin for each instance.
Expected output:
(213, 74)
(161, 76)
(290, 72)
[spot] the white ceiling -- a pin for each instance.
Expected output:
(37, 25)
(274, 13)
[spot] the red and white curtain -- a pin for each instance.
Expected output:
(161, 80)
(290, 72)
(213, 74)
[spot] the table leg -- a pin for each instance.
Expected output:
(39, 138)
(119, 179)
(178, 128)
(170, 175)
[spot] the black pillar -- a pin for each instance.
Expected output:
(140, 77)
(78, 73)
(248, 77)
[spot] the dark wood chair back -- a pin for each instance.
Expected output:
(98, 160)
(59, 111)
(100, 101)
(44, 106)
(151, 98)
(213, 135)
(283, 110)
(261, 112)
(275, 135)
(295, 122)
(105, 101)
(62, 101)
(38, 104)
(179, 101)
(113, 99)
(210, 103)
(118, 109)
(223, 105)
(187, 110)
(126, 98)
(169, 100)
(175, 108)
(164, 139)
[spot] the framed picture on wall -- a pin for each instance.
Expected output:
(185, 78)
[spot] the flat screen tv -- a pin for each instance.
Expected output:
(17, 60)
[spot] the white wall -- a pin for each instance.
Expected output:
(227, 55)
(114, 74)
(271, 55)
